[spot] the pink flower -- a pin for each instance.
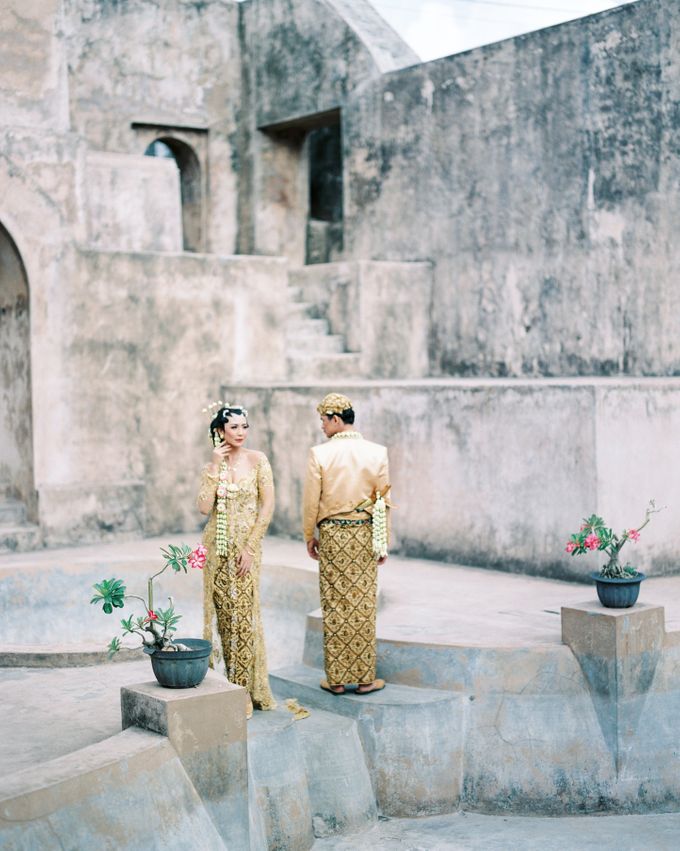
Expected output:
(592, 542)
(198, 556)
(221, 490)
(152, 616)
(634, 535)
(571, 546)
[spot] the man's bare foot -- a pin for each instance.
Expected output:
(337, 689)
(367, 688)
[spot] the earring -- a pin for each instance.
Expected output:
(216, 439)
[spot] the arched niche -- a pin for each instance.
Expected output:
(190, 185)
(16, 418)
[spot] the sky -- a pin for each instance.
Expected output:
(435, 28)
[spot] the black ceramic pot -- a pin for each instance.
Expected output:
(183, 668)
(618, 593)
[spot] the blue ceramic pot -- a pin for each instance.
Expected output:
(618, 593)
(184, 668)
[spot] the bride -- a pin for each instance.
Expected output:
(237, 492)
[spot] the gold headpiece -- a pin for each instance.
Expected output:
(333, 403)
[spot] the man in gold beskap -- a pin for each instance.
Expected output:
(346, 479)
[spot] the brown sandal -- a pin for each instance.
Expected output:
(331, 689)
(376, 685)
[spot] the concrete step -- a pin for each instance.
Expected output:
(19, 538)
(300, 779)
(302, 310)
(280, 808)
(418, 773)
(306, 327)
(12, 512)
(306, 367)
(315, 344)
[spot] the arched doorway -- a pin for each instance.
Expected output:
(190, 185)
(16, 418)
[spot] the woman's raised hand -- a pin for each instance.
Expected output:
(220, 454)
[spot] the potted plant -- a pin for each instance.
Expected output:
(176, 663)
(618, 585)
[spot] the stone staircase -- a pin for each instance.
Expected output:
(16, 534)
(312, 350)
(411, 775)
(298, 780)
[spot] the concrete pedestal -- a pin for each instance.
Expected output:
(206, 726)
(618, 651)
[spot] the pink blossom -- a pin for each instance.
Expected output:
(152, 616)
(198, 556)
(592, 542)
(221, 490)
(634, 535)
(571, 546)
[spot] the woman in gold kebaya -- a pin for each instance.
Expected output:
(237, 492)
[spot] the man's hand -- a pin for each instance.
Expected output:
(313, 548)
(382, 560)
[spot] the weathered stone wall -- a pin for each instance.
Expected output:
(152, 337)
(499, 473)
(33, 79)
(540, 177)
(301, 59)
(172, 64)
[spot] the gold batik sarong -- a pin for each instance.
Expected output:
(348, 584)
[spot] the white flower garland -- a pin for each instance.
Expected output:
(379, 527)
(221, 522)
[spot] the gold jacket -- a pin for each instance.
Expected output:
(342, 474)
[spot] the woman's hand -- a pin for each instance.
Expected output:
(244, 563)
(220, 454)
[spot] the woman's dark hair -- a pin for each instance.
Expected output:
(223, 416)
(347, 416)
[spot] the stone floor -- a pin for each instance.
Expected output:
(469, 831)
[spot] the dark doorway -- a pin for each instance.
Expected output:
(190, 187)
(16, 419)
(324, 231)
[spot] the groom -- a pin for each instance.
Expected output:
(345, 477)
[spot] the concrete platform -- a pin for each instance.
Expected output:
(473, 832)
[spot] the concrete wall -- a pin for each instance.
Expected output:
(33, 82)
(539, 175)
(301, 58)
(121, 72)
(500, 473)
(133, 203)
(152, 337)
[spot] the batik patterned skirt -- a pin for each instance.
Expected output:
(348, 583)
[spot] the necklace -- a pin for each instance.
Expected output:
(346, 435)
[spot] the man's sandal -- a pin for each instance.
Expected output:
(332, 689)
(376, 685)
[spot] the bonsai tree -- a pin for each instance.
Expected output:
(155, 626)
(595, 535)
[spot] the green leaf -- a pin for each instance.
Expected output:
(111, 593)
(114, 646)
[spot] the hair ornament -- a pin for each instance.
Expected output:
(334, 403)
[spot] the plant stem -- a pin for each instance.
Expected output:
(135, 597)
